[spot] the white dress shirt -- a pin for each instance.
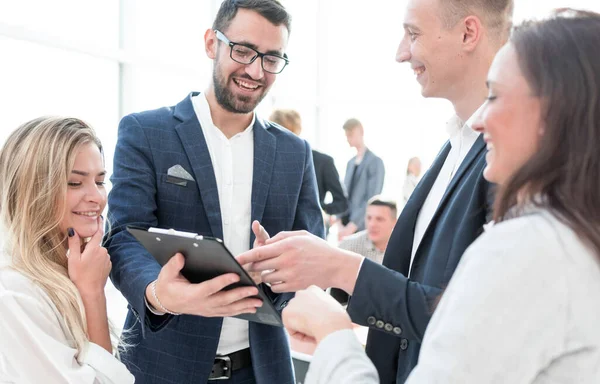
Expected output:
(232, 160)
(462, 138)
(34, 343)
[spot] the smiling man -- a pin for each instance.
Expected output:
(209, 165)
(450, 45)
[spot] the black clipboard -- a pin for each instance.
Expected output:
(205, 258)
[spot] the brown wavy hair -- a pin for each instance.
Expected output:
(560, 58)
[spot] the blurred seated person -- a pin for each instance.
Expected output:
(413, 171)
(523, 304)
(371, 243)
(53, 320)
(328, 179)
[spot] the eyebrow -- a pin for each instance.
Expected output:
(82, 173)
(255, 47)
(411, 26)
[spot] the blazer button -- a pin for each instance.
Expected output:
(397, 330)
(379, 324)
(388, 327)
(403, 344)
(371, 320)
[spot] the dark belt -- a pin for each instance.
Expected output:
(226, 364)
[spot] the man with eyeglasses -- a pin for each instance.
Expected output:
(210, 166)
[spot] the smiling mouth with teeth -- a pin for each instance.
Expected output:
(245, 85)
(88, 214)
(419, 71)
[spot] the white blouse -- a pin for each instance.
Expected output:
(522, 307)
(34, 347)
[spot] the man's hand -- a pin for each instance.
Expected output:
(261, 237)
(313, 314)
(296, 260)
(207, 299)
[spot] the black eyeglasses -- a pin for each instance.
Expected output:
(243, 54)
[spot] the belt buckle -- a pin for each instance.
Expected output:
(221, 368)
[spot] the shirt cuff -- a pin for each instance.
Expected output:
(360, 266)
(105, 364)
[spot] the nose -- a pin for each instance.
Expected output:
(255, 70)
(403, 53)
(478, 125)
(95, 194)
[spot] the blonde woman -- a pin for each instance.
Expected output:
(53, 321)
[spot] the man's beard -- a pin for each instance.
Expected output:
(229, 101)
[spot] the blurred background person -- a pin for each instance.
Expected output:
(380, 219)
(413, 171)
(536, 270)
(53, 317)
(328, 178)
(364, 177)
(371, 243)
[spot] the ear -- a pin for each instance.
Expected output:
(210, 44)
(472, 32)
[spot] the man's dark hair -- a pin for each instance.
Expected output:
(381, 202)
(271, 10)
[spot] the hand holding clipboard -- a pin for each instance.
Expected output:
(199, 276)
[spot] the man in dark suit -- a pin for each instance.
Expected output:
(328, 179)
(450, 45)
(209, 165)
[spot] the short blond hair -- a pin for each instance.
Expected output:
(496, 15)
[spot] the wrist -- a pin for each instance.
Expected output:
(153, 299)
(335, 323)
(91, 293)
(347, 265)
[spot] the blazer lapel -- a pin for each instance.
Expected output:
(265, 146)
(401, 240)
(475, 150)
(194, 144)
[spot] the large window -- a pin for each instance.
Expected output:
(99, 60)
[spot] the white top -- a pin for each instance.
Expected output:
(340, 359)
(410, 183)
(34, 346)
(232, 161)
(462, 138)
(522, 307)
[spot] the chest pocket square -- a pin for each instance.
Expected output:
(179, 176)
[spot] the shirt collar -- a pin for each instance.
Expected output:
(203, 111)
(457, 129)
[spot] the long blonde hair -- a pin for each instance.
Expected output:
(34, 166)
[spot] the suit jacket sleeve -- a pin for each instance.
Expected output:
(331, 183)
(308, 217)
(340, 358)
(132, 202)
(382, 294)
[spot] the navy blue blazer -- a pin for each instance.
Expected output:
(397, 308)
(181, 349)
